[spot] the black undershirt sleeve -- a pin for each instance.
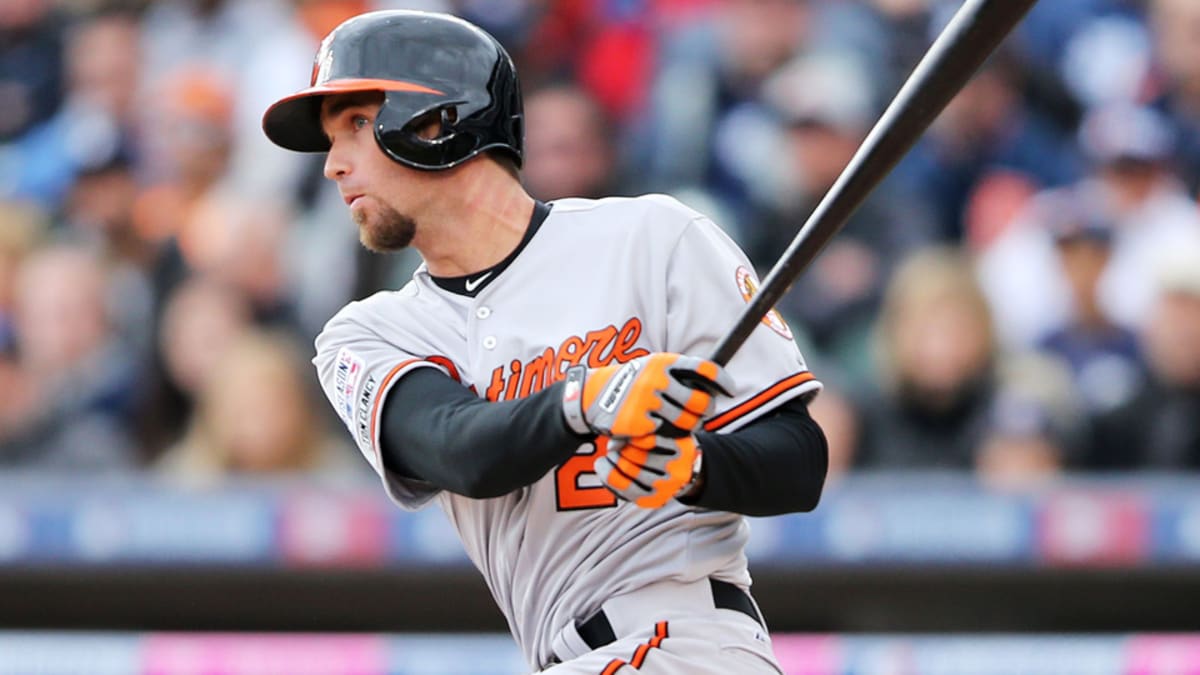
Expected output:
(436, 430)
(774, 465)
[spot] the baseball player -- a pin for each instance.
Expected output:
(535, 377)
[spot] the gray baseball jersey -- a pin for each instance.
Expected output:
(602, 281)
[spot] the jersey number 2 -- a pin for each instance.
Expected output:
(571, 495)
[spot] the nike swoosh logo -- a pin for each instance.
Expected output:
(472, 284)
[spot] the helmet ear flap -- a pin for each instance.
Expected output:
(517, 128)
(449, 116)
(407, 140)
(435, 124)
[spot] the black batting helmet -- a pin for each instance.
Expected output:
(424, 63)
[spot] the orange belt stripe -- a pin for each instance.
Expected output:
(639, 655)
(757, 401)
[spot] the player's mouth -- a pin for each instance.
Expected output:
(350, 199)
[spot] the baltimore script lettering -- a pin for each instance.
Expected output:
(595, 349)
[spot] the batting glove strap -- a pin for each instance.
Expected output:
(573, 401)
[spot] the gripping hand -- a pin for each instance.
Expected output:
(662, 392)
(651, 470)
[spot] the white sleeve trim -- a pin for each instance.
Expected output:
(798, 384)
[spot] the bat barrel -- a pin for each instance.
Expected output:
(971, 36)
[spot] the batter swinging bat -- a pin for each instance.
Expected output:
(973, 34)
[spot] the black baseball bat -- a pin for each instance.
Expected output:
(970, 37)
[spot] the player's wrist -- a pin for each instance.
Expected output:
(692, 489)
(573, 401)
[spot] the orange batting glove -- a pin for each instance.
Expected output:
(661, 392)
(651, 470)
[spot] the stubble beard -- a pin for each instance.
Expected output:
(389, 231)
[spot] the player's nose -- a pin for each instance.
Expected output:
(337, 164)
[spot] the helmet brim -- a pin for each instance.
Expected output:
(294, 122)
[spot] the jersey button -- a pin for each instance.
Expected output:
(483, 312)
(489, 342)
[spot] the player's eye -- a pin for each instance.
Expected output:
(360, 122)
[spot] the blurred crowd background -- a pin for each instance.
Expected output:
(1019, 299)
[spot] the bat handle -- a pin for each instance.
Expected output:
(697, 381)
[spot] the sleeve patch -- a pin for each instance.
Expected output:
(348, 371)
(363, 418)
(748, 286)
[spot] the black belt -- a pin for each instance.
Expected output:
(597, 631)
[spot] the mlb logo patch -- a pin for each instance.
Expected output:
(349, 370)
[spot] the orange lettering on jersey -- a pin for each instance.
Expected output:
(510, 391)
(538, 373)
(628, 336)
(450, 368)
(496, 385)
(570, 353)
(447, 364)
(595, 349)
(597, 342)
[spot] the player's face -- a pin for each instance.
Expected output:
(374, 187)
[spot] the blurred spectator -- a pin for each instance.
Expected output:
(244, 244)
(1104, 357)
(204, 222)
(607, 47)
(327, 266)
(1035, 425)
(76, 376)
(568, 145)
(98, 119)
(1047, 31)
(99, 212)
(1106, 58)
(202, 317)
(892, 35)
(706, 125)
(839, 419)
(278, 62)
(985, 133)
(1177, 41)
(20, 228)
(1160, 427)
(194, 213)
(31, 46)
(937, 354)
(212, 34)
(255, 417)
(1021, 447)
(105, 68)
(1130, 183)
(943, 380)
(191, 147)
(826, 102)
